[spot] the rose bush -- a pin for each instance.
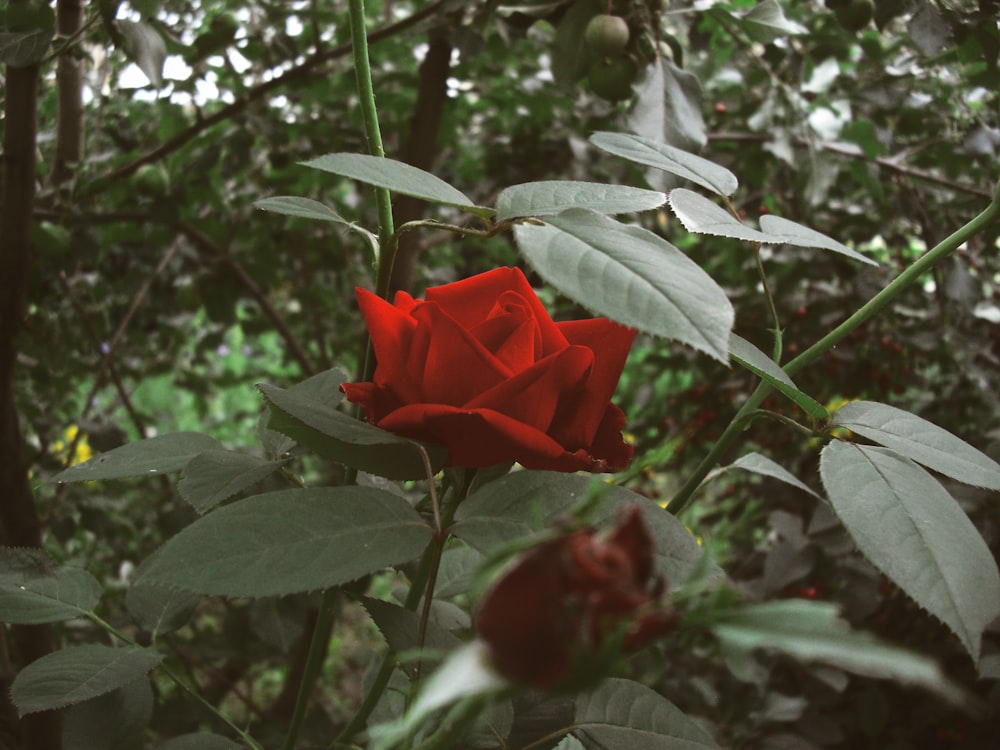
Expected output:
(563, 601)
(479, 367)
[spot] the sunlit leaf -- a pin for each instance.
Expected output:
(767, 22)
(684, 164)
(700, 215)
(549, 197)
(912, 530)
(396, 176)
(630, 275)
(146, 48)
(783, 231)
(305, 208)
(79, 673)
(752, 358)
(919, 440)
(759, 464)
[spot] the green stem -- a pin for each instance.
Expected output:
(314, 663)
(383, 271)
(905, 279)
(242, 734)
(373, 134)
(381, 681)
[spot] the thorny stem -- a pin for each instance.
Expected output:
(384, 261)
(314, 662)
(768, 297)
(875, 305)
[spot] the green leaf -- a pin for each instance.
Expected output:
(697, 169)
(570, 57)
(332, 434)
(550, 197)
(158, 609)
(813, 631)
(753, 359)
(631, 276)
(113, 721)
(291, 541)
(217, 475)
(625, 714)
(668, 109)
(200, 741)
(305, 208)
(759, 464)
(396, 176)
(785, 232)
(766, 22)
(146, 48)
(400, 627)
(80, 673)
(459, 565)
(698, 214)
(157, 455)
(33, 590)
(920, 441)
(912, 530)
(519, 505)
(19, 49)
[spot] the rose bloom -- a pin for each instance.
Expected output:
(562, 601)
(479, 367)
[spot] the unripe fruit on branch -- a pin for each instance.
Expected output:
(606, 35)
(612, 78)
(854, 15)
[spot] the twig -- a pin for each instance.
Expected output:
(88, 328)
(299, 73)
(883, 161)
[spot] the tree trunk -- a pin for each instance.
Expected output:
(432, 93)
(19, 523)
(69, 81)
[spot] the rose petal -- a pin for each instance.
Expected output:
(472, 299)
(511, 332)
(484, 438)
(534, 395)
(608, 442)
(392, 332)
(610, 342)
(455, 367)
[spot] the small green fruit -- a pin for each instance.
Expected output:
(854, 15)
(152, 180)
(606, 36)
(612, 78)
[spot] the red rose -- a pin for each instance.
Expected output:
(479, 367)
(562, 600)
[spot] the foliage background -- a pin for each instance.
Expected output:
(156, 296)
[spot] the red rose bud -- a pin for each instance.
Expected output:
(571, 598)
(479, 367)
